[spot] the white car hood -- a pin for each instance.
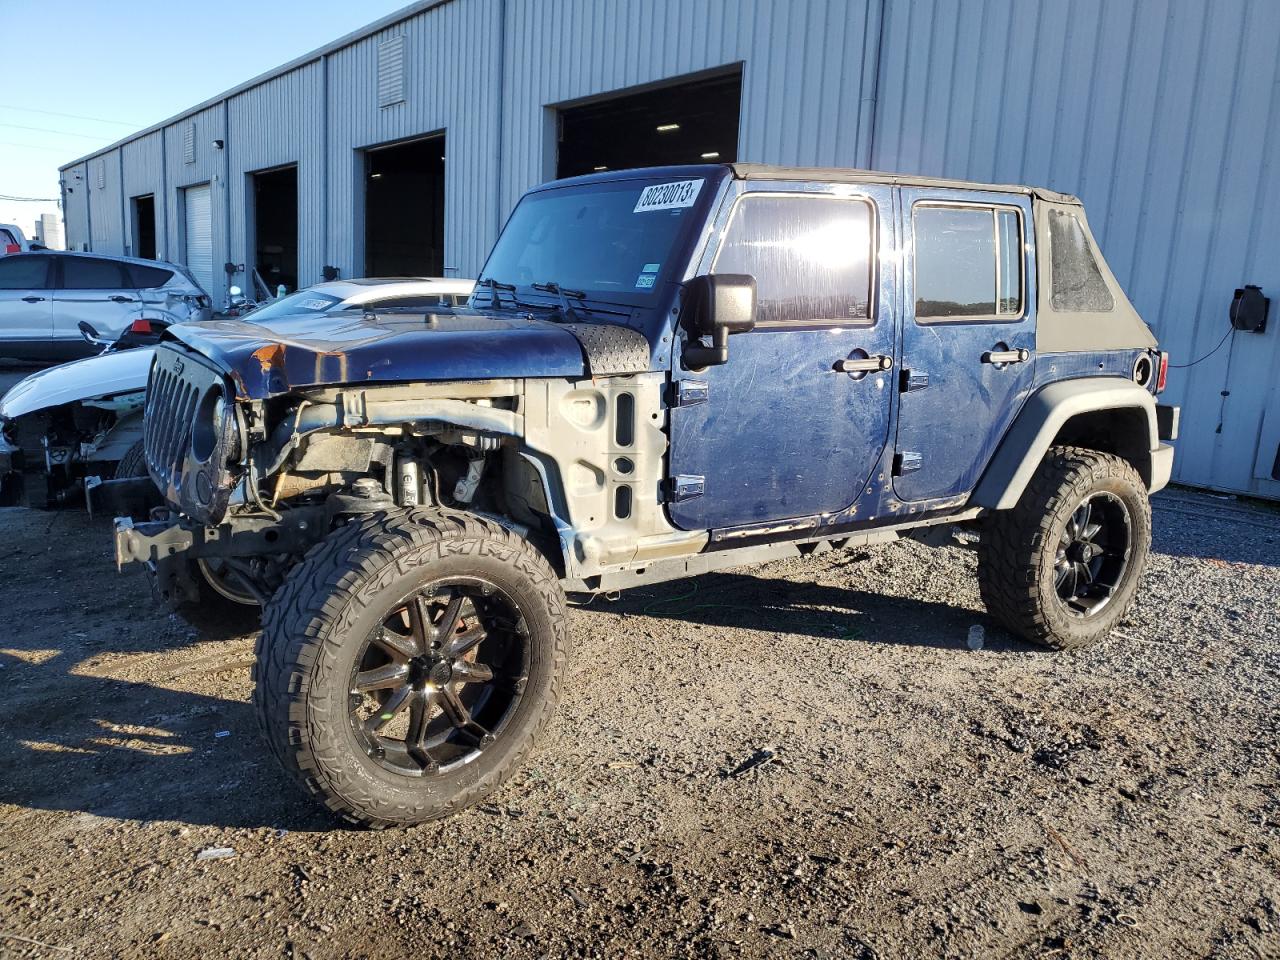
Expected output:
(105, 375)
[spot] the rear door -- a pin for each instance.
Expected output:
(26, 311)
(969, 335)
(781, 431)
(96, 290)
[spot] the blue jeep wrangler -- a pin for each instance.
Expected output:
(662, 372)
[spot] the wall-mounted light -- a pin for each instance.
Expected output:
(711, 155)
(668, 127)
(375, 176)
(598, 169)
(217, 144)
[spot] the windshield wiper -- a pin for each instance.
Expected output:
(570, 311)
(495, 286)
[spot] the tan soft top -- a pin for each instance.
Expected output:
(765, 171)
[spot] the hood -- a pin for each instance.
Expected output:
(93, 378)
(348, 346)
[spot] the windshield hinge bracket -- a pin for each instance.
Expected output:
(685, 393)
(684, 487)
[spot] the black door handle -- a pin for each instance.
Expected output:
(33, 299)
(119, 299)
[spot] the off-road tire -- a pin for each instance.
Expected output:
(1017, 548)
(133, 463)
(315, 624)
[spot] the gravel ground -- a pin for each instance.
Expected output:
(803, 759)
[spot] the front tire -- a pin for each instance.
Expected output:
(1061, 568)
(410, 662)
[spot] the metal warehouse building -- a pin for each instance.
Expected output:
(402, 148)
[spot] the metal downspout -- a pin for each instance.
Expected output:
(871, 62)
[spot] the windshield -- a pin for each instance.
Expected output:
(614, 241)
(304, 301)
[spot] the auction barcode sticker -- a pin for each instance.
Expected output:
(668, 196)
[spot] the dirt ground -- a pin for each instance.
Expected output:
(798, 760)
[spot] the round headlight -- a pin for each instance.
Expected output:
(207, 424)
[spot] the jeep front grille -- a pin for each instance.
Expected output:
(187, 396)
(171, 402)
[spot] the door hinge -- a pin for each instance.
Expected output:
(907, 462)
(685, 393)
(684, 487)
(913, 380)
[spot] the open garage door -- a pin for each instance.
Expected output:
(197, 207)
(404, 209)
(275, 227)
(694, 121)
(144, 226)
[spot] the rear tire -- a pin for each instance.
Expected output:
(389, 619)
(1061, 568)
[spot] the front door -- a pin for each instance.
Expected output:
(96, 290)
(781, 430)
(26, 314)
(968, 342)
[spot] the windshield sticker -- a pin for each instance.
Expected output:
(651, 268)
(314, 304)
(668, 196)
(645, 281)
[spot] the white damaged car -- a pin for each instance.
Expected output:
(83, 419)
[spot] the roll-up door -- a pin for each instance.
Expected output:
(199, 235)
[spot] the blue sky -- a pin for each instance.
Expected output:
(79, 74)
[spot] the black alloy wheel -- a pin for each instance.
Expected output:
(439, 679)
(1093, 554)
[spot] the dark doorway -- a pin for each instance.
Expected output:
(144, 226)
(275, 227)
(691, 122)
(404, 209)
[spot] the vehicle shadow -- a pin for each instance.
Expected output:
(134, 750)
(821, 611)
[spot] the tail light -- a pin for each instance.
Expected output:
(140, 326)
(12, 248)
(1163, 375)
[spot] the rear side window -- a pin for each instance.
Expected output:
(411, 301)
(968, 262)
(7, 239)
(146, 277)
(90, 273)
(811, 257)
(24, 273)
(1075, 281)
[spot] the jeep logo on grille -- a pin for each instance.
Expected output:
(178, 365)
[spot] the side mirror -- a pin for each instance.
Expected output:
(716, 305)
(89, 333)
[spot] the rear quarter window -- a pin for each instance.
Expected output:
(1076, 283)
(146, 277)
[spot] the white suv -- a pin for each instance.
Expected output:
(45, 296)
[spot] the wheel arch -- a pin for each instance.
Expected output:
(1108, 414)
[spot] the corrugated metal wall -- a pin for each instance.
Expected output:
(208, 165)
(451, 54)
(1163, 115)
(106, 228)
(142, 172)
(803, 83)
(277, 123)
(75, 204)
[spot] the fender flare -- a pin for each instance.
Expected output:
(1042, 417)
